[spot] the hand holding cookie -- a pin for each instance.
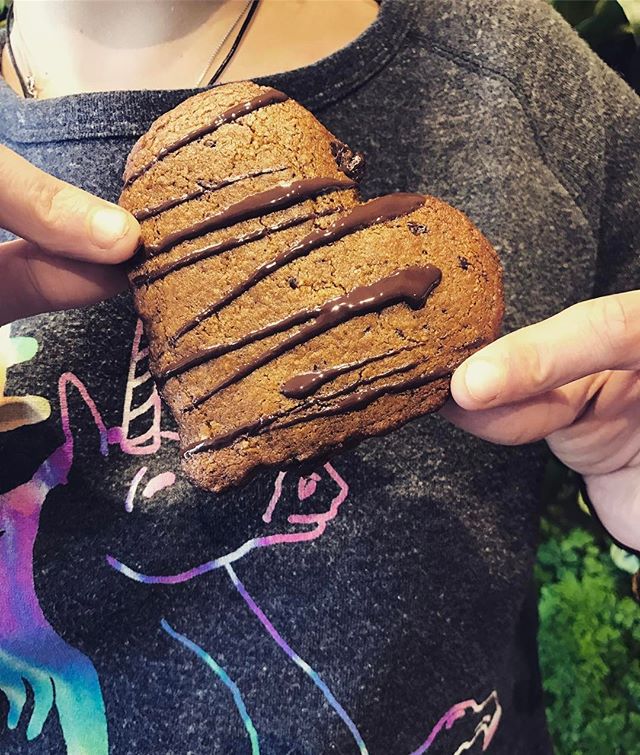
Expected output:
(70, 246)
(573, 380)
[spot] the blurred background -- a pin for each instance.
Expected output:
(589, 588)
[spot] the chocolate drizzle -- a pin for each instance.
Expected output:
(224, 246)
(356, 399)
(302, 386)
(359, 399)
(278, 198)
(411, 285)
(268, 97)
(203, 188)
(376, 211)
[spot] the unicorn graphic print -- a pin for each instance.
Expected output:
(43, 676)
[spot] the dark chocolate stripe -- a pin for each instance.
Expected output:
(220, 349)
(355, 400)
(224, 246)
(204, 188)
(361, 399)
(304, 385)
(278, 198)
(411, 285)
(376, 211)
(270, 97)
(395, 370)
(263, 423)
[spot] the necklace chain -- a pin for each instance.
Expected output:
(216, 52)
(28, 82)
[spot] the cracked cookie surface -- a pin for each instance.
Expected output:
(287, 318)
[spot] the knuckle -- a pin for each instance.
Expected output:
(536, 368)
(609, 323)
(51, 202)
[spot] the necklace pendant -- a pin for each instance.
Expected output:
(32, 89)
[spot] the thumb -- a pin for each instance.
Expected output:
(62, 218)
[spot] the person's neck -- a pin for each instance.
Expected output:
(74, 46)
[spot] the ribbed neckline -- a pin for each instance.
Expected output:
(126, 113)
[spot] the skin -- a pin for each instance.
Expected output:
(70, 247)
(571, 379)
(120, 44)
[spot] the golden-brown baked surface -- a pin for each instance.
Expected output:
(285, 317)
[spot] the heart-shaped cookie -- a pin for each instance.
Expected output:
(285, 317)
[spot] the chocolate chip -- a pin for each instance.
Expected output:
(293, 283)
(417, 228)
(350, 163)
(463, 262)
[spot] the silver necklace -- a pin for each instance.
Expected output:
(28, 81)
(216, 52)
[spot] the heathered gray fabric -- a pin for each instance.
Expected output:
(418, 595)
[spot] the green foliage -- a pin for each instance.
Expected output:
(612, 28)
(631, 10)
(589, 647)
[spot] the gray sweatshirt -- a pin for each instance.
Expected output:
(140, 615)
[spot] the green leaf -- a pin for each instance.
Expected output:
(583, 504)
(606, 21)
(574, 11)
(623, 560)
(631, 10)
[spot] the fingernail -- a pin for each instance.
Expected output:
(484, 380)
(108, 226)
